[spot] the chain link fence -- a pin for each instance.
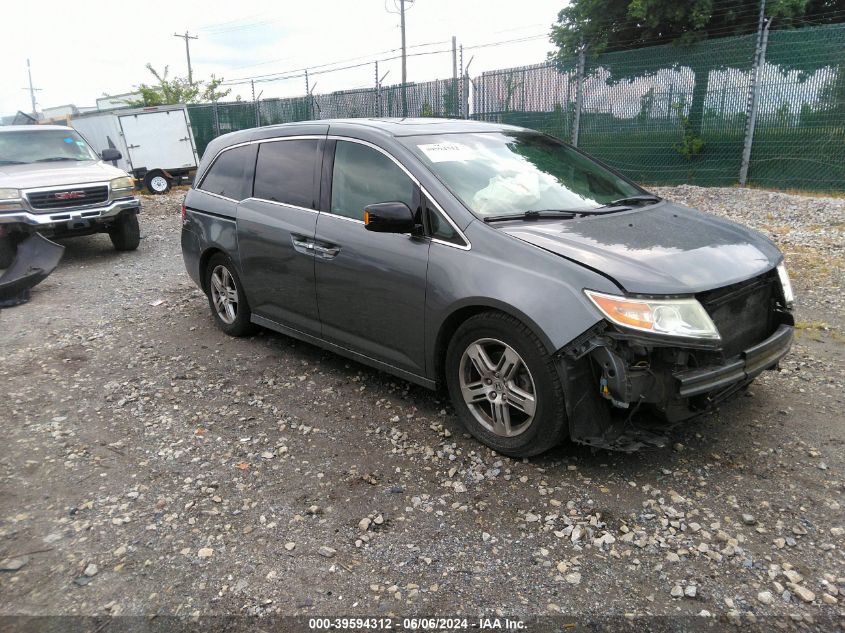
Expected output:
(662, 115)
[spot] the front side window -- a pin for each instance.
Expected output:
(43, 146)
(285, 172)
(440, 229)
(496, 173)
(363, 176)
(227, 176)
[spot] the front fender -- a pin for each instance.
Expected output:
(543, 290)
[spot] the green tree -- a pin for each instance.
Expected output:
(166, 91)
(612, 25)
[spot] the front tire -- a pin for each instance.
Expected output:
(125, 234)
(504, 385)
(226, 297)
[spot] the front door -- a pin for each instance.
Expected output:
(370, 286)
(275, 232)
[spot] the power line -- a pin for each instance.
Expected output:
(299, 72)
(343, 61)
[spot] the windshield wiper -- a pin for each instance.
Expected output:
(3, 161)
(556, 214)
(646, 197)
(56, 158)
(533, 215)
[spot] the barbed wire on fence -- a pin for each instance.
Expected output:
(662, 115)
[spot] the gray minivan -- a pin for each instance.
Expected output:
(551, 296)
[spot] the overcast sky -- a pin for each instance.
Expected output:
(83, 49)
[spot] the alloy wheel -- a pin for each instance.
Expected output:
(224, 294)
(497, 387)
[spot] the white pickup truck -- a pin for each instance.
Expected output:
(53, 183)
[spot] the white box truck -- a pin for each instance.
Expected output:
(156, 143)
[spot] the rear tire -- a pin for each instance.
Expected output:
(226, 297)
(156, 182)
(508, 395)
(125, 234)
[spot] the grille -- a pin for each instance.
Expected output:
(743, 313)
(67, 198)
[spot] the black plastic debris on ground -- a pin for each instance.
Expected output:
(35, 259)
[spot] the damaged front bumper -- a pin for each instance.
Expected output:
(610, 376)
(745, 367)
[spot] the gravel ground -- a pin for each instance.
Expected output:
(156, 467)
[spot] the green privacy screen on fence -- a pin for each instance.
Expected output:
(662, 115)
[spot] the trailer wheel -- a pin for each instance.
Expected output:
(156, 182)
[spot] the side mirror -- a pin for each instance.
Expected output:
(389, 217)
(110, 154)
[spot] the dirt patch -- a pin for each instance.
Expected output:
(155, 466)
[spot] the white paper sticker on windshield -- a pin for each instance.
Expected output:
(445, 152)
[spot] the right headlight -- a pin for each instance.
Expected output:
(669, 317)
(10, 199)
(123, 184)
(788, 295)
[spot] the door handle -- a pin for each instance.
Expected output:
(326, 252)
(302, 244)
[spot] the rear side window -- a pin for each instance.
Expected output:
(228, 175)
(286, 172)
(363, 176)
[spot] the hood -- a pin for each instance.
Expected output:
(59, 174)
(664, 249)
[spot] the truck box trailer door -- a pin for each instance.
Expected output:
(159, 140)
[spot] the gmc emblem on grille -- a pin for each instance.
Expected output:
(69, 195)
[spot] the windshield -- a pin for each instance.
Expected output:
(514, 172)
(36, 146)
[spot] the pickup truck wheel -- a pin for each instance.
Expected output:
(226, 297)
(125, 234)
(504, 385)
(156, 182)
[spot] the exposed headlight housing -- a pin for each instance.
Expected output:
(669, 317)
(122, 184)
(788, 295)
(10, 199)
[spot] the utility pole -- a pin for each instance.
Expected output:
(308, 95)
(404, 67)
(579, 93)
(255, 104)
(753, 91)
(454, 77)
(31, 89)
(378, 93)
(187, 37)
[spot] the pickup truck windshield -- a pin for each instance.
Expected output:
(496, 173)
(38, 146)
